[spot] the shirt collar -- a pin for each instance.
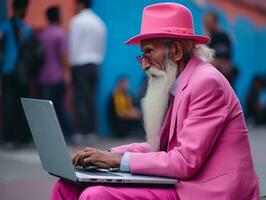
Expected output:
(173, 87)
(84, 11)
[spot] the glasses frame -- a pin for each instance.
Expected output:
(148, 56)
(144, 56)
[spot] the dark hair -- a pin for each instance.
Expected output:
(52, 14)
(17, 4)
(86, 3)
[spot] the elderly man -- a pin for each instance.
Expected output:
(194, 122)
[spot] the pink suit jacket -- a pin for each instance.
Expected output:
(208, 149)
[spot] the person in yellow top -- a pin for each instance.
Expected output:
(123, 102)
(127, 116)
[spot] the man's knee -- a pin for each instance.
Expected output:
(61, 184)
(57, 190)
(63, 189)
(95, 193)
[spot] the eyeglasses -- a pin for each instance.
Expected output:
(148, 57)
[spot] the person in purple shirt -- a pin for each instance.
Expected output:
(55, 76)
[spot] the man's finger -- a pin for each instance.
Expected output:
(89, 149)
(90, 160)
(102, 164)
(77, 158)
(87, 157)
(74, 157)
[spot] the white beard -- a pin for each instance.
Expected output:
(154, 104)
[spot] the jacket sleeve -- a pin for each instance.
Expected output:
(207, 111)
(134, 147)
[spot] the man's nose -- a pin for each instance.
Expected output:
(145, 64)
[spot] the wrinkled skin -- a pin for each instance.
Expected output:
(90, 156)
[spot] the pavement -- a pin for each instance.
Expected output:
(22, 176)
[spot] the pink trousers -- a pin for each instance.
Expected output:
(67, 191)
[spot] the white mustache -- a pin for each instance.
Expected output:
(154, 72)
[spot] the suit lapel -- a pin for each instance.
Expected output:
(164, 133)
(182, 84)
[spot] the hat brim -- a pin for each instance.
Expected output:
(137, 39)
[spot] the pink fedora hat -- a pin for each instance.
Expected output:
(167, 20)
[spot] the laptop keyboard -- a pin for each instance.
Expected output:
(95, 171)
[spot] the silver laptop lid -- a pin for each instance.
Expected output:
(48, 137)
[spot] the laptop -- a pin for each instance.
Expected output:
(55, 157)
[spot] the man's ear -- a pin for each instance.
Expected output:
(177, 51)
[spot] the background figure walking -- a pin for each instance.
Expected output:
(87, 34)
(55, 76)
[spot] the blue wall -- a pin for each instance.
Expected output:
(123, 20)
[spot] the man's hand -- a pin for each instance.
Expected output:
(91, 156)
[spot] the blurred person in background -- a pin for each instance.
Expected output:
(256, 101)
(87, 35)
(126, 117)
(195, 128)
(55, 76)
(221, 43)
(14, 32)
